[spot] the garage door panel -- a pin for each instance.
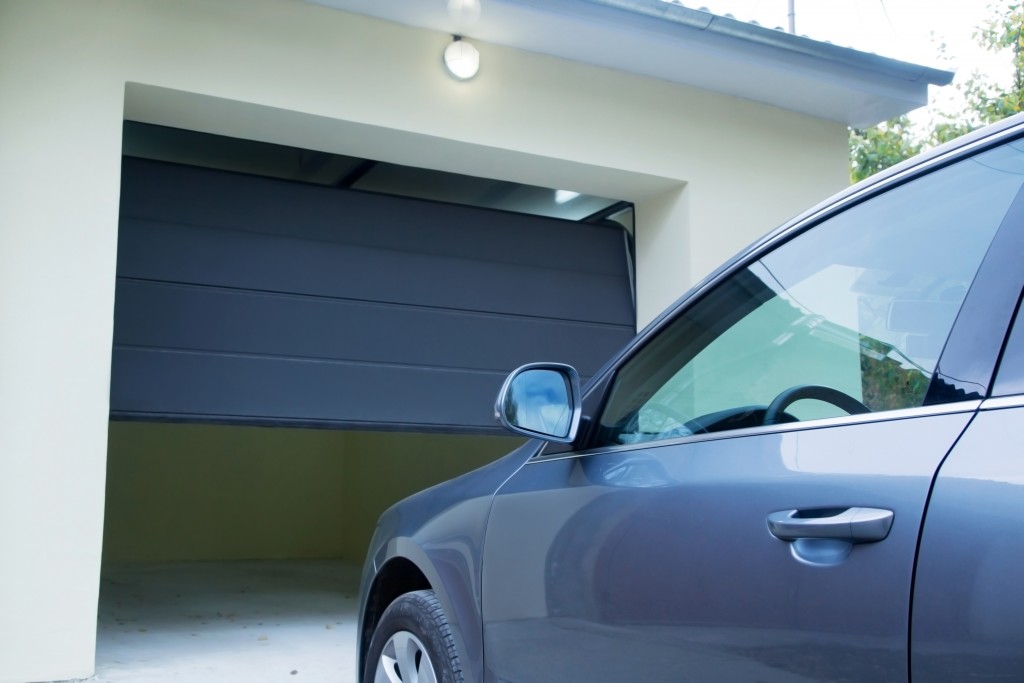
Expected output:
(224, 387)
(263, 301)
(187, 195)
(189, 317)
(177, 253)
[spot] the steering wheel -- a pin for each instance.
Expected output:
(777, 408)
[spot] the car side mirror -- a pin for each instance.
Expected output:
(541, 400)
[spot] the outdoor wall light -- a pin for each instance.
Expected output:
(461, 59)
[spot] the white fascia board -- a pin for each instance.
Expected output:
(690, 47)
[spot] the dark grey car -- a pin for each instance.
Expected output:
(810, 468)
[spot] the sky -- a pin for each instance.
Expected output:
(911, 30)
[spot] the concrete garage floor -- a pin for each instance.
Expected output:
(252, 621)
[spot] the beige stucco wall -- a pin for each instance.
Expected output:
(213, 492)
(708, 174)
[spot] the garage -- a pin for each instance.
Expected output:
(300, 340)
(678, 112)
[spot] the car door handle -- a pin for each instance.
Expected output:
(855, 525)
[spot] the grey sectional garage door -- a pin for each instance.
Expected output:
(261, 301)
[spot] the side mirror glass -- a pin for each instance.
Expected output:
(541, 400)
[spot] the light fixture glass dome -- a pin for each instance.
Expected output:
(461, 59)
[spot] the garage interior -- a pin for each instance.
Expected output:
(302, 339)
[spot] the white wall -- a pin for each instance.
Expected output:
(708, 174)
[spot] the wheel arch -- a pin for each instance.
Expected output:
(405, 567)
(397, 576)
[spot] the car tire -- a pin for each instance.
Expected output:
(413, 643)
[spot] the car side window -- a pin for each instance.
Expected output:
(847, 317)
(1010, 378)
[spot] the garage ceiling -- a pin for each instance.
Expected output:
(161, 143)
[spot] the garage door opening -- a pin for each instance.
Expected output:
(233, 553)
(301, 340)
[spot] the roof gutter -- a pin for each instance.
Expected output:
(780, 40)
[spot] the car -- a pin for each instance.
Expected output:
(809, 468)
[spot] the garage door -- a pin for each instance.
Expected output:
(260, 301)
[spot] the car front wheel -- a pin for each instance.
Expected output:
(413, 643)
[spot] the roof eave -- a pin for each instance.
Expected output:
(780, 40)
(690, 47)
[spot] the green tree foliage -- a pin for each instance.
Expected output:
(1005, 33)
(879, 147)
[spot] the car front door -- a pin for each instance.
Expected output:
(746, 502)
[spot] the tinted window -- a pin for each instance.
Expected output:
(1010, 379)
(859, 306)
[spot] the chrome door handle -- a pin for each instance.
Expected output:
(855, 525)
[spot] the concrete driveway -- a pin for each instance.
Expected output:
(206, 622)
